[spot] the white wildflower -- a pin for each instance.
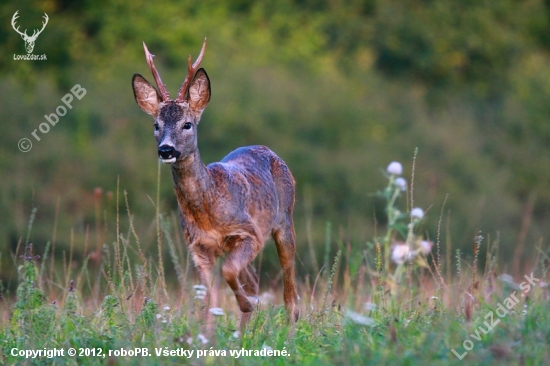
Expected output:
(401, 183)
(166, 308)
(189, 340)
(217, 311)
(426, 246)
(266, 347)
(200, 294)
(267, 297)
(236, 334)
(395, 168)
(202, 338)
(158, 316)
(359, 319)
(417, 212)
(370, 306)
(400, 253)
(506, 278)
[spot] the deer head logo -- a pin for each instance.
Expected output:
(29, 40)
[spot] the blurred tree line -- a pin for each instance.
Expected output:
(337, 88)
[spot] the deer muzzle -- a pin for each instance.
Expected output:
(168, 154)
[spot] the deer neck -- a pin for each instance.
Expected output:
(194, 187)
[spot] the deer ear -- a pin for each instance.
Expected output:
(146, 95)
(199, 91)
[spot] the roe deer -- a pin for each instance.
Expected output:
(228, 208)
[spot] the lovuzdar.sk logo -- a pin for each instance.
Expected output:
(29, 40)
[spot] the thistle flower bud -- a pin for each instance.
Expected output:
(401, 183)
(400, 253)
(426, 246)
(395, 168)
(417, 213)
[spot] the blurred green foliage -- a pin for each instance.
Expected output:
(337, 88)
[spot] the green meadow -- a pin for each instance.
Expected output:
(441, 259)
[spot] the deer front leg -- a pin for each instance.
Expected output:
(243, 283)
(250, 282)
(204, 262)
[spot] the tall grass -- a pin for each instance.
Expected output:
(371, 306)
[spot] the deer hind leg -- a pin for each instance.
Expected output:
(285, 236)
(284, 240)
(240, 278)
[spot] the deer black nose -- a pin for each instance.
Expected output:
(166, 152)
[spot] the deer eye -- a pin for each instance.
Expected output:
(156, 126)
(187, 125)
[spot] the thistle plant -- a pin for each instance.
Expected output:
(146, 317)
(29, 296)
(400, 244)
(32, 319)
(396, 185)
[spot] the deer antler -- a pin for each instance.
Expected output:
(13, 19)
(34, 36)
(24, 34)
(162, 88)
(191, 70)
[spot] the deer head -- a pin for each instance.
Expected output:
(175, 120)
(29, 40)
